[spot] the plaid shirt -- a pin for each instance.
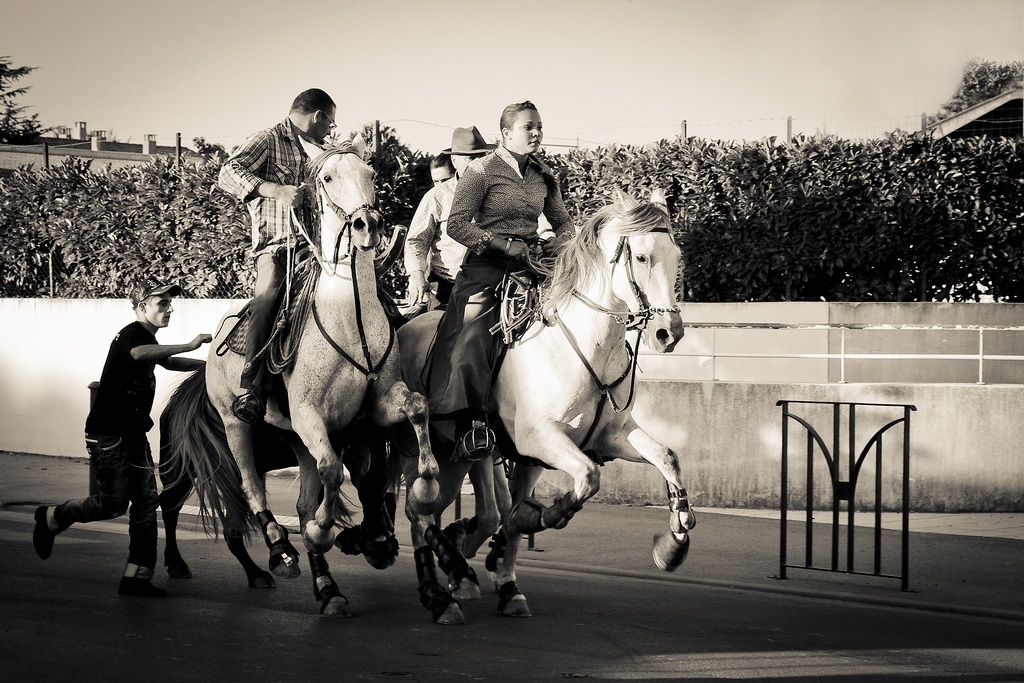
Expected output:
(494, 200)
(273, 155)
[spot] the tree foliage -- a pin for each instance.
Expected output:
(903, 218)
(16, 126)
(982, 80)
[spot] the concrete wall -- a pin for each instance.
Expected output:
(51, 349)
(966, 438)
(709, 353)
(967, 444)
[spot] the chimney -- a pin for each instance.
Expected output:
(99, 137)
(78, 131)
(149, 144)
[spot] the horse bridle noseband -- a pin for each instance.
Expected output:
(347, 219)
(631, 320)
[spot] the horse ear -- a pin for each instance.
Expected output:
(658, 197)
(624, 199)
(359, 145)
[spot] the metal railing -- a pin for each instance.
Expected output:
(843, 487)
(843, 356)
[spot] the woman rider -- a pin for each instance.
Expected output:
(494, 213)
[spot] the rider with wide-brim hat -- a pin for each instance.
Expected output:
(431, 255)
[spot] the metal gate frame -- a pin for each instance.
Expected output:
(845, 490)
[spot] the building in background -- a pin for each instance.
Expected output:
(77, 141)
(1001, 116)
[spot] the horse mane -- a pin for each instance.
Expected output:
(580, 262)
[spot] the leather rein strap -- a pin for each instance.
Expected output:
(631, 320)
(370, 369)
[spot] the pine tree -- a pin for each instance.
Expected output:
(16, 127)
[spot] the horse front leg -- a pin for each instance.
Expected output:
(633, 444)
(555, 448)
(319, 466)
(444, 609)
(284, 558)
(487, 489)
(398, 403)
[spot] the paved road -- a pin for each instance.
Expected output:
(601, 611)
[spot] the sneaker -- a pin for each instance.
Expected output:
(143, 588)
(249, 407)
(42, 536)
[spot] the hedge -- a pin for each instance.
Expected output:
(901, 218)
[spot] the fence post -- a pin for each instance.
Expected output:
(94, 489)
(981, 355)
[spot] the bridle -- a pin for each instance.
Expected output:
(630, 320)
(347, 220)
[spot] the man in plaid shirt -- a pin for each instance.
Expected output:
(268, 174)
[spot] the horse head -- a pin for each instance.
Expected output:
(637, 241)
(345, 190)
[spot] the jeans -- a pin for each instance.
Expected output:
(124, 474)
(270, 277)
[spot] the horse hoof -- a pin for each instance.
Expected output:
(517, 607)
(262, 580)
(318, 540)
(286, 567)
(335, 606)
(425, 491)
(465, 590)
(179, 571)
(669, 552)
(381, 553)
(512, 602)
(451, 616)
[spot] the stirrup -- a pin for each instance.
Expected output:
(249, 407)
(476, 443)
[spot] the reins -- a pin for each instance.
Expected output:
(631, 321)
(370, 369)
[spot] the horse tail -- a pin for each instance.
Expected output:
(193, 446)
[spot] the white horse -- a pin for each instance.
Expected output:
(344, 364)
(565, 391)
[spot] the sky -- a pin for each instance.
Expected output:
(599, 71)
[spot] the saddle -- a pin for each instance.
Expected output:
(289, 321)
(519, 305)
(285, 333)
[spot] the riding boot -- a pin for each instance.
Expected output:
(249, 406)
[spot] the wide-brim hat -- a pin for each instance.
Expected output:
(467, 141)
(143, 290)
